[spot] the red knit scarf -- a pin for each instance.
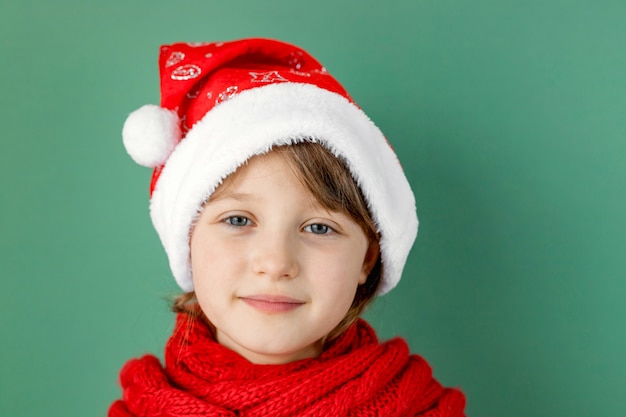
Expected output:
(355, 376)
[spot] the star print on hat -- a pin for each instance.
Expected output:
(222, 103)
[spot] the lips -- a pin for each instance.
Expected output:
(268, 303)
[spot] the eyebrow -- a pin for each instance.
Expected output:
(245, 197)
(232, 196)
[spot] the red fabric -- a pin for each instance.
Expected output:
(355, 376)
(196, 77)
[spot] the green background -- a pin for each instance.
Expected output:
(509, 117)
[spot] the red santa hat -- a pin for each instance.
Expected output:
(222, 103)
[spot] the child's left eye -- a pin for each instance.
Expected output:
(318, 229)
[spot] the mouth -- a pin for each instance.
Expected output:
(267, 303)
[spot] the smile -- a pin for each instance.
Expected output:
(272, 303)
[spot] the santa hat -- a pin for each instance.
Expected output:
(222, 103)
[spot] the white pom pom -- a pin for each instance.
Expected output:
(150, 134)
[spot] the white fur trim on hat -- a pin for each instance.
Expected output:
(250, 124)
(150, 134)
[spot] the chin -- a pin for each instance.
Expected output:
(271, 352)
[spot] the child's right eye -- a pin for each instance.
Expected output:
(237, 221)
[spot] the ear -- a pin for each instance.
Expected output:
(371, 257)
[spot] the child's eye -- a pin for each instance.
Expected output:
(238, 221)
(318, 229)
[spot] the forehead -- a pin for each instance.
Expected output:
(256, 168)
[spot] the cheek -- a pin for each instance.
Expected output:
(338, 278)
(207, 263)
(208, 286)
(350, 262)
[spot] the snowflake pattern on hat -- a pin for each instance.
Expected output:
(174, 58)
(267, 77)
(186, 72)
(227, 94)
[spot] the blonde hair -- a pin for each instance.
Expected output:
(328, 179)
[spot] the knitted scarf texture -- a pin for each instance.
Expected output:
(355, 376)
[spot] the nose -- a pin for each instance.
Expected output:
(276, 257)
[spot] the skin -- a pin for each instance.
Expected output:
(273, 270)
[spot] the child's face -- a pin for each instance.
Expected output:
(273, 270)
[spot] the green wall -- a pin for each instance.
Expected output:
(509, 117)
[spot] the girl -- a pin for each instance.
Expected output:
(283, 212)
